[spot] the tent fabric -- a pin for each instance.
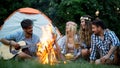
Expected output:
(29, 11)
(42, 24)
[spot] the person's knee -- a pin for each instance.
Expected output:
(23, 55)
(85, 52)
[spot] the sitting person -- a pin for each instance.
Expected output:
(104, 42)
(85, 35)
(25, 35)
(68, 45)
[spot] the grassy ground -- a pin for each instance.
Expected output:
(35, 64)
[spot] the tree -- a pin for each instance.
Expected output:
(61, 11)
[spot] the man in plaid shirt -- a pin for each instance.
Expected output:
(104, 42)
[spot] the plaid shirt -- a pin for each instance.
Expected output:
(103, 46)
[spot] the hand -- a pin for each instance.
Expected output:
(76, 57)
(15, 45)
(91, 61)
(104, 58)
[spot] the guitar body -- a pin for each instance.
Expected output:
(5, 50)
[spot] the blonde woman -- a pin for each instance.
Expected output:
(69, 48)
(85, 35)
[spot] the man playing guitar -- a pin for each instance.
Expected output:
(25, 35)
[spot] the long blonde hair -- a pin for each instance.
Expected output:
(72, 26)
(85, 34)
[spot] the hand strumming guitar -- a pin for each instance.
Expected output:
(15, 45)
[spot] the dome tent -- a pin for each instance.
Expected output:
(42, 24)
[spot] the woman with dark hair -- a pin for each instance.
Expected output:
(85, 35)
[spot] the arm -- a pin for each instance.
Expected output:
(93, 54)
(115, 42)
(93, 49)
(4, 41)
(107, 56)
(112, 49)
(12, 43)
(78, 51)
(7, 40)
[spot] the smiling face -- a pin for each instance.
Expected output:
(28, 30)
(96, 29)
(27, 26)
(83, 24)
(67, 27)
(71, 28)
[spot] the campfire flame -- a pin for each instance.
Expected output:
(45, 51)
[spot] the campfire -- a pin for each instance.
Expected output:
(45, 51)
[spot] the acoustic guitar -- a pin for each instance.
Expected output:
(7, 52)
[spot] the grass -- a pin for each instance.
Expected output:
(35, 64)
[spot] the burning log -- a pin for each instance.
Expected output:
(46, 53)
